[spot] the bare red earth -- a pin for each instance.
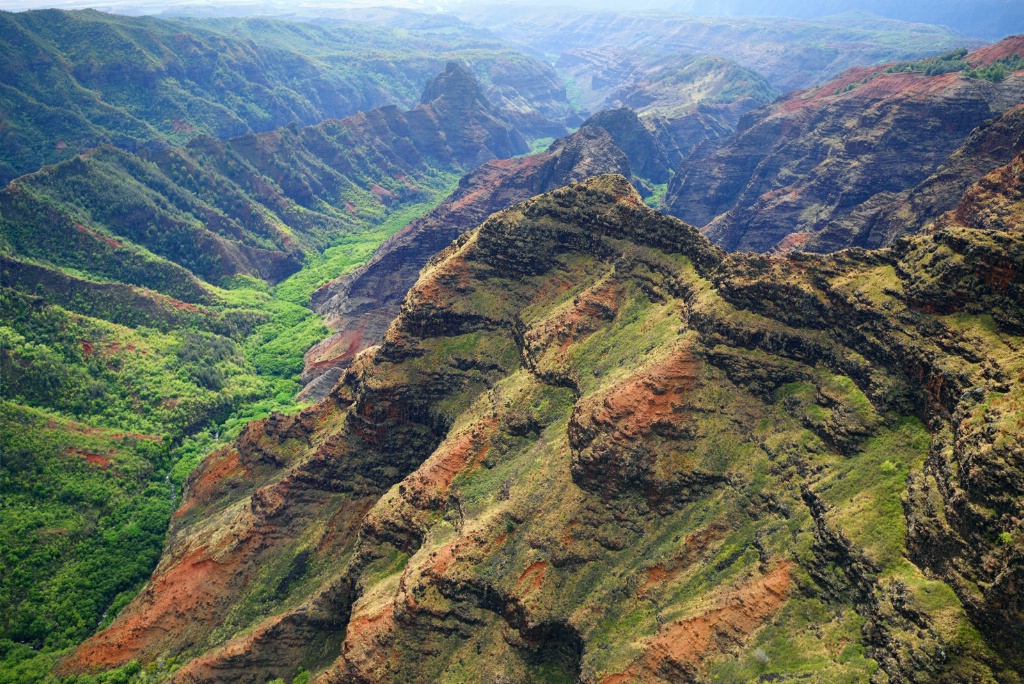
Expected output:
(684, 644)
(92, 458)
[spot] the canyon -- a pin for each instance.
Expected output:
(527, 345)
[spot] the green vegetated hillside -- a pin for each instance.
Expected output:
(72, 80)
(154, 303)
(593, 447)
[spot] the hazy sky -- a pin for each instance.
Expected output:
(979, 18)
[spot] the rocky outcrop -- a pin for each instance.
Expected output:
(594, 447)
(471, 130)
(647, 155)
(826, 160)
(361, 305)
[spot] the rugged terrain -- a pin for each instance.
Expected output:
(360, 305)
(608, 78)
(256, 205)
(588, 422)
(815, 168)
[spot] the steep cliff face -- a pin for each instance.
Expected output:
(594, 447)
(965, 508)
(990, 146)
(470, 124)
(827, 160)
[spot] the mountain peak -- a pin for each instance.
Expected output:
(456, 84)
(646, 154)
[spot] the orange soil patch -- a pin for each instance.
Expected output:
(87, 347)
(367, 640)
(381, 622)
(740, 614)
(88, 430)
(216, 468)
(443, 283)
(552, 288)
(91, 458)
(879, 86)
(337, 350)
(116, 347)
(460, 549)
(632, 408)
(694, 547)
(589, 311)
(443, 557)
(628, 200)
(177, 304)
(99, 236)
(618, 678)
(1014, 45)
(792, 242)
(788, 192)
(685, 644)
(381, 192)
(341, 529)
(533, 576)
(432, 479)
(168, 604)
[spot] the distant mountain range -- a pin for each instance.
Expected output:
(70, 81)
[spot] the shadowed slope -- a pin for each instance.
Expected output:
(828, 158)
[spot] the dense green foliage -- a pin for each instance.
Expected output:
(942, 64)
(97, 415)
(103, 421)
(998, 70)
(87, 509)
(953, 60)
